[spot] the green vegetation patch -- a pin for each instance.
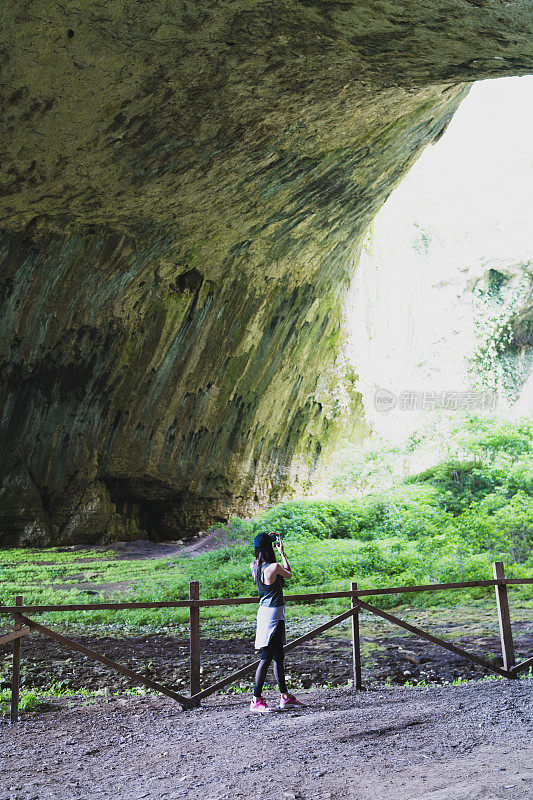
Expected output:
(447, 523)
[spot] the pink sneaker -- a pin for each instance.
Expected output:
(260, 706)
(289, 702)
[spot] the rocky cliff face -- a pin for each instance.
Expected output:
(184, 188)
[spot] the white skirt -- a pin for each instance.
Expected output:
(267, 620)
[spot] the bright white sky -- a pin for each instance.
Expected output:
(473, 193)
(479, 176)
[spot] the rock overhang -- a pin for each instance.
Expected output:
(184, 191)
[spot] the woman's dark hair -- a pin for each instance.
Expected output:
(263, 555)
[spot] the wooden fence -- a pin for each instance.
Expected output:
(24, 624)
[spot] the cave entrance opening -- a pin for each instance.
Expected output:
(447, 266)
(440, 311)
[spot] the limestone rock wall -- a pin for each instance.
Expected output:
(184, 188)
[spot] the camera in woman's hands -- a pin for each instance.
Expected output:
(275, 538)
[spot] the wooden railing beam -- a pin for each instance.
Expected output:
(290, 646)
(239, 601)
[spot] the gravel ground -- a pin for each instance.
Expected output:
(443, 742)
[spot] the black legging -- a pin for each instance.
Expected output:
(272, 652)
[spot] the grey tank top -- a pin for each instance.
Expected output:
(270, 595)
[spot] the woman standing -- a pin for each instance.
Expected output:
(270, 632)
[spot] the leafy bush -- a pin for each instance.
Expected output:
(447, 523)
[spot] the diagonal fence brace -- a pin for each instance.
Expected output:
(435, 640)
(80, 648)
(10, 637)
(289, 646)
(521, 667)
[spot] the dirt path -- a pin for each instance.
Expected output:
(144, 548)
(441, 743)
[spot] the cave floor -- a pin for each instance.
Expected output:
(440, 743)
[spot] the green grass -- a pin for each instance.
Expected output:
(319, 565)
(446, 524)
(28, 700)
(34, 699)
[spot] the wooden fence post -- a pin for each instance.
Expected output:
(15, 678)
(194, 617)
(356, 644)
(504, 618)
